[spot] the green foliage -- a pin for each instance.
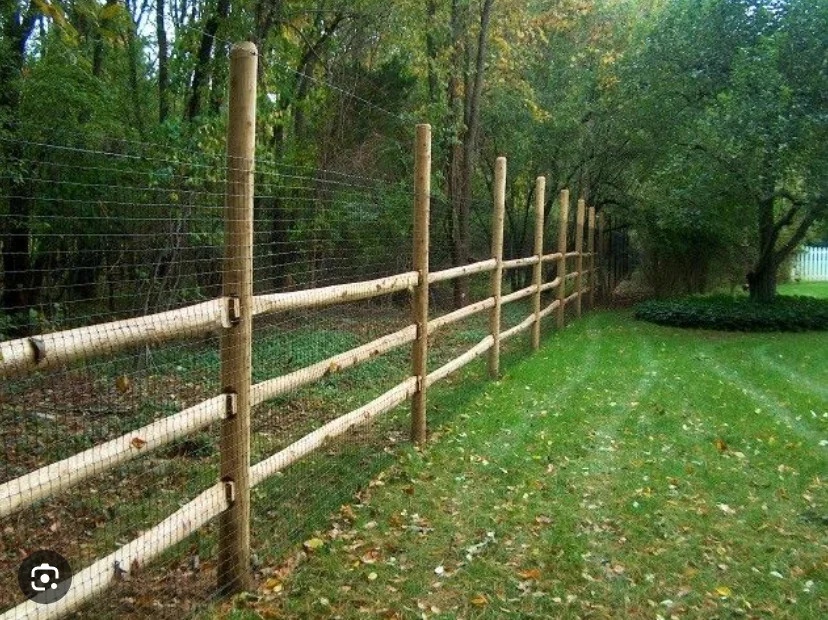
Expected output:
(720, 312)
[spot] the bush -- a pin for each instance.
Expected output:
(785, 314)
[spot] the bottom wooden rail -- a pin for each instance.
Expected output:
(95, 578)
(571, 298)
(310, 442)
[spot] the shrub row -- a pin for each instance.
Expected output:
(721, 312)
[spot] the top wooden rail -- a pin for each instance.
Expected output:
(50, 350)
(47, 351)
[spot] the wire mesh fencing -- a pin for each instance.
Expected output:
(175, 345)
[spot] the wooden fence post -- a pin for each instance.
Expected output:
(563, 222)
(602, 271)
(540, 200)
(234, 526)
(579, 257)
(593, 281)
(422, 203)
(497, 254)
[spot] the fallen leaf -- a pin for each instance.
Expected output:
(137, 443)
(123, 384)
(723, 591)
(480, 600)
(532, 573)
(720, 444)
(314, 544)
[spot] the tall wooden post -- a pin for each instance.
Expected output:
(579, 257)
(540, 200)
(497, 254)
(593, 281)
(236, 339)
(422, 204)
(563, 222)
(602, 253)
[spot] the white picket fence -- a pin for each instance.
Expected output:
(811, 265)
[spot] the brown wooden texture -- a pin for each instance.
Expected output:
(497, 254)
(419, 352)
(540, 200)
(233, 569)
(579, 258)
(563, 222)
(591, 250)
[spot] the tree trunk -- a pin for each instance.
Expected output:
(163, 67)
(201, 74)
(762, 284)
(18, 296)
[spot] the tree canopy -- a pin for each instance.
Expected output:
(703, 123)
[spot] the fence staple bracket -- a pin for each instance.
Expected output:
(233, 315)
(230, 405)
(39, 348)
(229, 490)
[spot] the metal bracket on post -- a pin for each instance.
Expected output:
(229, 491)
(233, 314)
(230, 405)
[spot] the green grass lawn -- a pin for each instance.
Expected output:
(625, 470)
(810, 289)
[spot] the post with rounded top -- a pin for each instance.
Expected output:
(497, 255)
(563, 222)
(234, 526)
(540, 201)
(593, 281)
(579, 257)
(422, 204)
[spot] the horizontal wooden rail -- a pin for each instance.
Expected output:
(524, 324)
(570, 275)
(572, 297)
(550, 285)
(96, 577)
(27, 489)
(462, 313)
(312, 441)
(462, 270)
(571, 254)
(550, 308)
(550, 257)
(457, 363)
(58, 348)
(336, 294)
(520, 262)
(519, 294)
(279, 385)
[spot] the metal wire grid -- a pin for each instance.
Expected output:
(148, 229)
(151, 239)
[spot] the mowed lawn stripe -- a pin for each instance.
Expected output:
(647, 486)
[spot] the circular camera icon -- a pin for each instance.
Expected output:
(44, 577)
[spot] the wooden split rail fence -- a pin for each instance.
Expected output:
(232, 316)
